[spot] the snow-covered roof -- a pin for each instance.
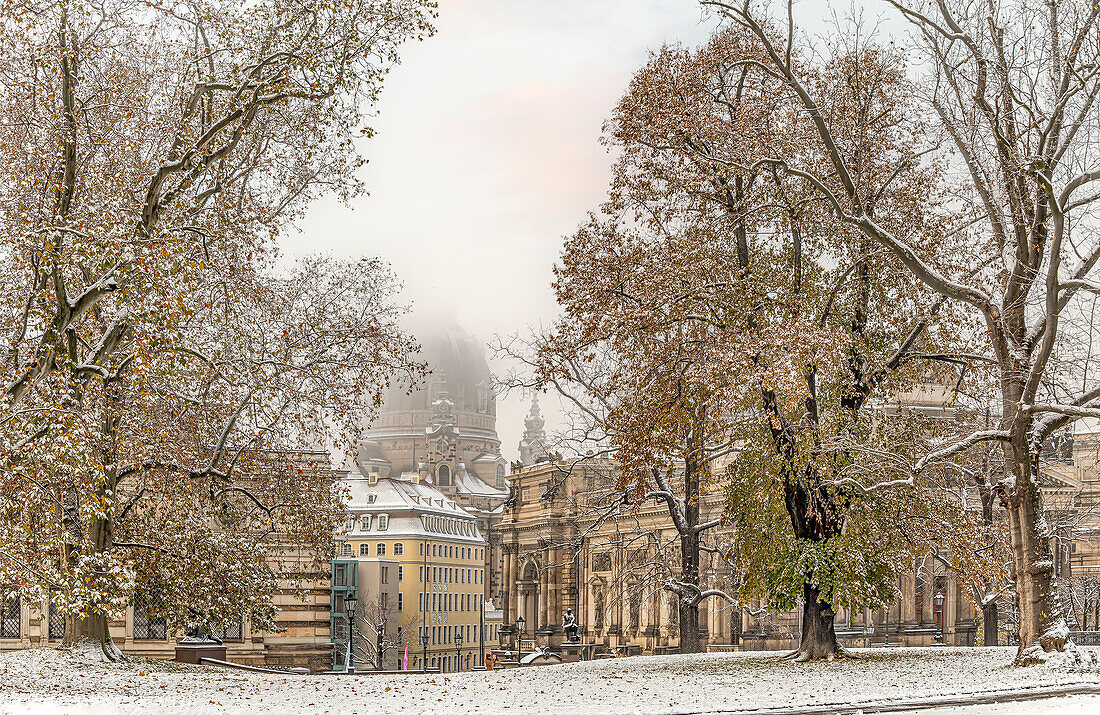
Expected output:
(412, 510)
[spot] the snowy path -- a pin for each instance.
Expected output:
(46, 681)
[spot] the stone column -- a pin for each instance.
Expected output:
(557, 608)
(508, 590)
(907, 606)
(951, 609)
(544, 592)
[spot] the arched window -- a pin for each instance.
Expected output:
(444, 475)
(380, 550)
(398, 549)
(364, 549)
(345, 549)
(500, 476)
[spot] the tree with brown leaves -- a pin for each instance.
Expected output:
(161, 371)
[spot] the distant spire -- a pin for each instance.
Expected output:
(533, 444)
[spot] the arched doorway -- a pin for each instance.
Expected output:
(529, 596)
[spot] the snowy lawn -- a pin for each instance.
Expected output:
(51, 681)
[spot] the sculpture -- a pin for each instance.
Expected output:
(569, 625)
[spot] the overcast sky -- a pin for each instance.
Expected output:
(487, 153)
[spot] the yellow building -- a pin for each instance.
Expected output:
(439, 553)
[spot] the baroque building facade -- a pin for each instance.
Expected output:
(564, 550)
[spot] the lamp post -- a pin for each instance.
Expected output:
(939, 598)
(424, 644)
(458, 647)
(351, 600)
(521, 624)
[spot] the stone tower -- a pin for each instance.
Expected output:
(533, 444)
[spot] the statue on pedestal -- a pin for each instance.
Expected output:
(569, 625)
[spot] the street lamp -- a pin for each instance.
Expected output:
(458, 647)
(351, 600)
(424, 644)
(521, 625)
(939, 598)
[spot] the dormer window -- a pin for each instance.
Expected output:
(371, 498)
(364, 522)
(383, 522)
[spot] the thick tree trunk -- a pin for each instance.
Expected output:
(818, 632)
(93, 631)
(688, 603)
(989, 624)
(689, 626)
(94, 628)
(1042, 625)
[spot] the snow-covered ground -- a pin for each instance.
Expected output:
(50, 681)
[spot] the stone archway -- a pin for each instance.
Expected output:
(528, 586)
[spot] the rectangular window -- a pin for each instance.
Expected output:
(10, 613)
(232, 631)
(340, 575)
(56, 623)
(383, 522)
(149, 625)
(400, 601)
(421, 574)
(400, 572)
(385, 574)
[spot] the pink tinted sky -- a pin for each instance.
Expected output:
(487, 153)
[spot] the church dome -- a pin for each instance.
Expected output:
(458, 367)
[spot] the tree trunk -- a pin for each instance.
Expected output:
(689, 626)
(818, 632)
(93, 628)
(1042, 625)
(989, 623)
(688, 603)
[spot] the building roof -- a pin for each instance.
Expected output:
(406, 505)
